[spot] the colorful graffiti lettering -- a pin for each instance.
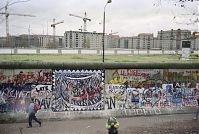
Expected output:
(18, 86)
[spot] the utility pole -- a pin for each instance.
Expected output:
(103, 36)
(7, 25)
(29, 36)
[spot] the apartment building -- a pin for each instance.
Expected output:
(145, 41)
(171, 39)
(125, 42)
(113, 41)
(19, 42)
(30, 41)
(167, 40)
(47, 41)
(77, 39)
(135, 42)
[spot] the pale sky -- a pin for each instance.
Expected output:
(127, 17)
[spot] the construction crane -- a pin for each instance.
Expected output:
(7, 14)
(85, 19)
(53, 25)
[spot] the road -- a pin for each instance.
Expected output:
(161, 124)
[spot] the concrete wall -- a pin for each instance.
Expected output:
(87, 51)
(73, 93)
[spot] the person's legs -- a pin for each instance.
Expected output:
(35, 118)
(30, 120)
(197, 112)
(113, 131)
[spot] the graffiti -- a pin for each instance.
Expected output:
(17, 98)
(80, 90)
(21, 77)
(117, 81)
(83, 90)
(116, 96)
(155, 111)
(150, 97)
(136, 74)
(180, 75)
(18, 86)
(135, 78)
(14, 98)
(42, 94)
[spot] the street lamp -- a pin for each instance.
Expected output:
(109, 1)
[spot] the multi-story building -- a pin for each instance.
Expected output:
(171, 39)
(135, 42)
(3, 42)
(155, 43)
(124, 42)
(145, 41)
(19, 42)
(29, 41)
(46, 41)
(76, 39)
(166, 40)
(113, 41)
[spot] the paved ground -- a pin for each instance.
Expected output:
(162, 124)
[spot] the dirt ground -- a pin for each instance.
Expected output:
(159, 124)
(185, 127)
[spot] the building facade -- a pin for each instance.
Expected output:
(171, 39)
(145, 41)
(165, 40)
(31, 41)
(77, 39)
(113, 41)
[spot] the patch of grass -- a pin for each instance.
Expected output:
(98, 58)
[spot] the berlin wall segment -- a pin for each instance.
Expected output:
(129, 91)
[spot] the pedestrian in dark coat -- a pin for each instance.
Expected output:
(32, 110)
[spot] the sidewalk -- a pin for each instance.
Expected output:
(70, 115)
(175, 123)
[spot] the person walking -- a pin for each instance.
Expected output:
(32, 110)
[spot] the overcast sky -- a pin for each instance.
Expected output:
(127, 17)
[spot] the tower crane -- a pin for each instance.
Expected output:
(53, 25)
(7, 14)
(85, 19)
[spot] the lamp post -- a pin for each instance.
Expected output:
(109, 1)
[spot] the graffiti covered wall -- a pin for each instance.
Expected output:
(18, 86)
(142, 88)
(81, 90)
